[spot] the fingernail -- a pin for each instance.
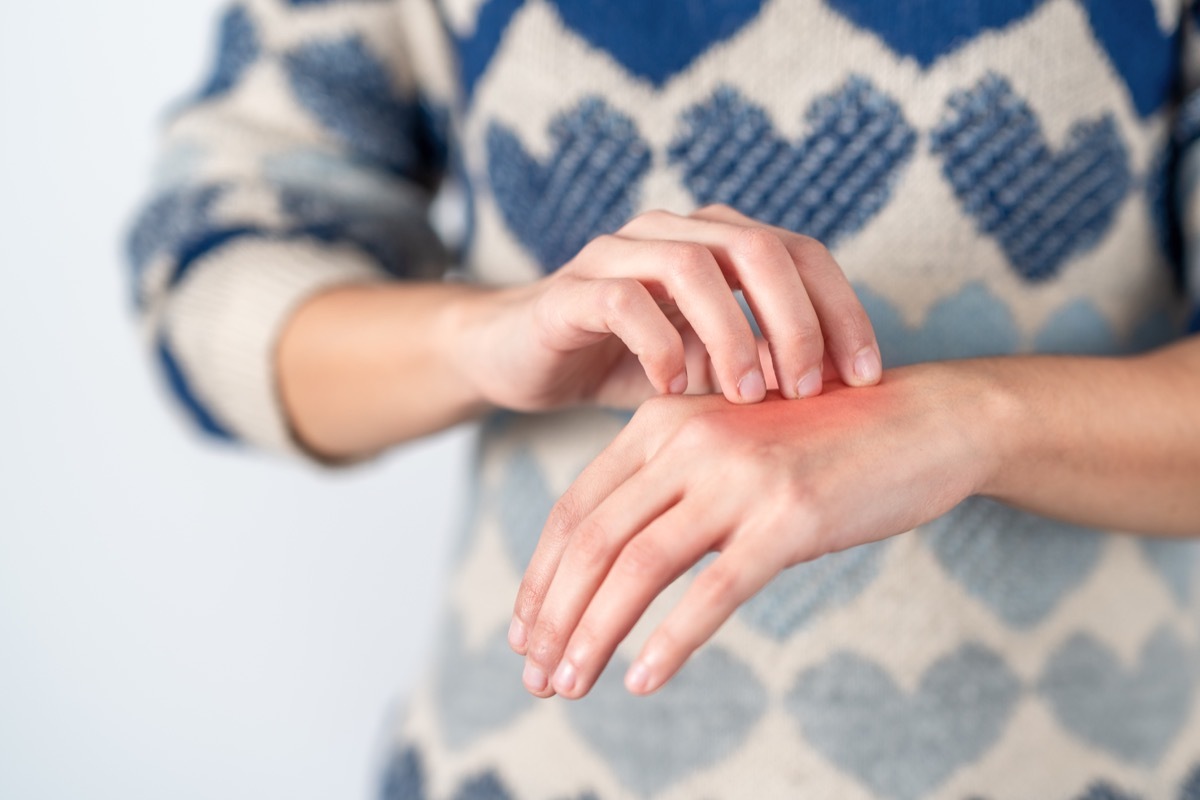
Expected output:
(534, 678)
(679, 385)
(637, 677)
(867, 366)
(516, 634)
(564, 677)
(753, 386)
(810, 384)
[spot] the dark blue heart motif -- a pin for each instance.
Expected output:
(588, 186)
(929, 29)
(827, 185)
(351, 92)
(475, 51)
(404, 778)
(1145, 56)
(1042, 207)
(656, 40)
(238, 48)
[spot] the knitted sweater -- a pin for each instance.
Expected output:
(994, 177)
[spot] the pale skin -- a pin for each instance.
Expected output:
(759, 461)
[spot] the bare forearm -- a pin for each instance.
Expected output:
(1108, 442)
(365, 367)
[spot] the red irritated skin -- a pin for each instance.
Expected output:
(774, 484)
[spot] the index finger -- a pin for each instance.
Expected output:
(849, 335)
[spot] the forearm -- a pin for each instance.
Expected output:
(1106, 442)
(361, 368)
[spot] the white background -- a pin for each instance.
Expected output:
(177, 620)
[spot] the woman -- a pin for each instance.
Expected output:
(923, 583)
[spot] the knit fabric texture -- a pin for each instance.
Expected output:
(994, 176)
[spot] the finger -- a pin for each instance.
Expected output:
(744, 567)
(757, 261)
(586, 310)
(687, 274)
(609, 470)
(592, 548)
(847, 329)
(648, 564)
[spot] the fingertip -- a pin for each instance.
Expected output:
(518, 636)
(637, 678)
(679, 384)
(811, 384)
(752, 388)
(867, 367)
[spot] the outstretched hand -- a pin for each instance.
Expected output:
(767, 486)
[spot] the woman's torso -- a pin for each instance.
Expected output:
(990, 177)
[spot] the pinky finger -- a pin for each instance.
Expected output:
(741, 570)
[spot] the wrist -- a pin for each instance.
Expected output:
(473, 342)
(979, 405)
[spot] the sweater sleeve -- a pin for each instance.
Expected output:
(307, 160)
(1184, 183)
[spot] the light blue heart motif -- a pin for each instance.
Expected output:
(522, 502)
(827, 185)
(898, 744)
(1017, 564)
(478, 691)
(651, 742)
(1175, 562)
(1134, 713)
(587, 186)
(1042, 207)
(800, 593)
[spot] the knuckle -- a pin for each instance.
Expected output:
(564, 517)
(620, 296)
(643, 559)
(700, 432)
(718, 210)
(590, 541)
(758, 244)
(686, 262)
(809, 252)
(718, 585)
(654, 218)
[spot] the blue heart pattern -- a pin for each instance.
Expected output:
(651, 742)
(479, 690)
(1140, 52)
(522, 502)
(974, 323)
(404, 779)
(587, 187)
(656, 41)
(237, 49)
(898, 744)
(1134, 714)
(800, 593)
(1018, 564)
(929, 29)
(827, 185)
(350, 91)
(1042, 207)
